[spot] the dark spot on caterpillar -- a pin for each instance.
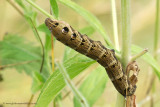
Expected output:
(125, 91)
(71, 39)
(104, 55)
(74, 35)
(92, 49)
(120, 79)
(56, 24)
(82, 43)
(83, 40)
(65, 30)
(113, 66)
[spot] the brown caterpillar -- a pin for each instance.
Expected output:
(95, 50)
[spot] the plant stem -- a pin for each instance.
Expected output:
(68, 81)
(19, 63)
(52, 53)
(126, 42)
(126, 39)
(115, 27)
(40, 9)
(30, 100)
(43, 53)
(139, 55)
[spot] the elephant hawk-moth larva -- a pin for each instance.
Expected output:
(95, 50)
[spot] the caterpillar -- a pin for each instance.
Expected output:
(64, 33)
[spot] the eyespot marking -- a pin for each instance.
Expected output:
(65, 30)
(56, 24)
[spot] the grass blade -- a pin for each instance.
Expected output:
(54, 7)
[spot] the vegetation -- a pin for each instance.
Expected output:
(33, 57)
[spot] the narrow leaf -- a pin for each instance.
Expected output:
(54, 7)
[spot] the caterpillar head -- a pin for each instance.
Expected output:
(60, 29)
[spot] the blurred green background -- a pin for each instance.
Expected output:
(16, 87)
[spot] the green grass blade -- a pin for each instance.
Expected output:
(54, 7)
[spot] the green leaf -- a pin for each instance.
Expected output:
(54, 7)
(56, 83)
(23, 55)
(37, 82)
(43, 28)
(93, 21)
(148, 58)
(93, 86)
